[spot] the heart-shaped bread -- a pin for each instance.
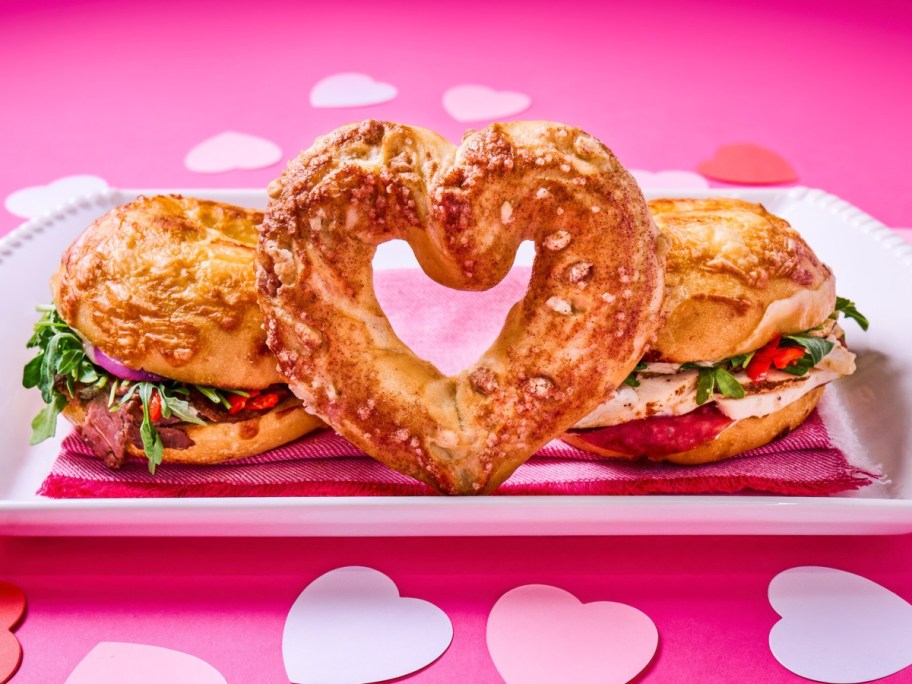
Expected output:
(592, 304)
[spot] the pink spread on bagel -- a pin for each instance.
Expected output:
(659, 435)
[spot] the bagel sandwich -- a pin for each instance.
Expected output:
(750, 339)
(154, 346)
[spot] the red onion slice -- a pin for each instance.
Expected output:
(116, 368)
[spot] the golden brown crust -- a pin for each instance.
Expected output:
(596, 284)
(740, 436)
(167, 284)
(218, 442)
(736, 275)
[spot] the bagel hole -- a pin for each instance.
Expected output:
(450, 328)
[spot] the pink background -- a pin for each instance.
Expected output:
(226, 602)
(124, 90)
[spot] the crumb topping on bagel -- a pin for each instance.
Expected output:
(167, 284)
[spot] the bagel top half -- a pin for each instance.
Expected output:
(736, 275)
(167, 284)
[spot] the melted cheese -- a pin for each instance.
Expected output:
(666, 390)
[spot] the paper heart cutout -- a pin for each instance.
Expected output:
(747, 164)
(350, 625)
(662, 180)
(114, 662)
(837, 626)
(230, 151)
(12, 608)
(541, 634)
(41, 199)
(479, 103)
(350, 89)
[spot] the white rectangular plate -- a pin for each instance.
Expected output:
(872, 266)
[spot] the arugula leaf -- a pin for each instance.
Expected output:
(817, 347)
(126, 397)
(740, 361)
(179, 407)
(727, 383)
(31, 374)
(799, 367)
(847, 308)
(60, 358)
(49, 370)
(152, 441)
(706, 384)
(629, 380)
(184, 411)
(715, 379)
(44, 425)
(69, 361)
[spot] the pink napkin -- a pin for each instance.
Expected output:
(452, 329)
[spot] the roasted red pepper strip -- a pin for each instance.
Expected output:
(759, 365)
(264, 401)
(238, 402)
(155, 406)
(786, 356)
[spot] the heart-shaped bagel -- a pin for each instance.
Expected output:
(592, 305)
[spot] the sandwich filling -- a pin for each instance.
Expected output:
(666, 408)
(149, 415)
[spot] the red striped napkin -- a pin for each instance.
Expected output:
(802, 463)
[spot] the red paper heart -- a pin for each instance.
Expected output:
(748, 164)
(12, 608)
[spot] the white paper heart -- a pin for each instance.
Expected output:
(662, 180)
(539, 634)
(479, 103)
(838, 627)
(42, 199)
(350, 626)
(350, 89)
(113, 662)
(230, 151)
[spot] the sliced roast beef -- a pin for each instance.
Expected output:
(107, 432)
(110, 432)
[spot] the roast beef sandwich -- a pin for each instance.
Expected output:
(154, 345)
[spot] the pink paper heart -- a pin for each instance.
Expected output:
(747, 164)
(12, 608)
(350, 89)
(838, 627)
(230, 151)
(480, 103)
(542, 634)
(112, 662)
(351, 625)
(36, 200)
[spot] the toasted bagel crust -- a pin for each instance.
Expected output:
(167, 284)
(217, 442)
(591, 306)
(736, 275)
(740, 436)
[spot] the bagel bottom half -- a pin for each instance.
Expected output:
(226, 441)
(742, 435)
